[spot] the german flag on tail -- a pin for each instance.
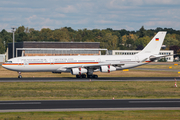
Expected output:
(157, 39)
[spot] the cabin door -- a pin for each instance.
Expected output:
(20, 62)
(136, 58)
(26, 62)
(51, 61)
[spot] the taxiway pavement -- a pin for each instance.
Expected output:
(88, 105)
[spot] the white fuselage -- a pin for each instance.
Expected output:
(63, 63)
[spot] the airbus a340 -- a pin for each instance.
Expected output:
(84, 66)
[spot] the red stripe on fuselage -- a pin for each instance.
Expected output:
(50, 63)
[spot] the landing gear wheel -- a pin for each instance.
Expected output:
(89, 76)
(95, 76)
(78, 76)
(92, 76)
(20, 76)
(83, 76)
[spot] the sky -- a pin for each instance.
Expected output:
(90, 14)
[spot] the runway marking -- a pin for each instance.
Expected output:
(153, 101)
(23, 103)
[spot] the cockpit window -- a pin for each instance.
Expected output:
(8, 61)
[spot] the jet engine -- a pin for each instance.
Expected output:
(78, 71)
(107, 68)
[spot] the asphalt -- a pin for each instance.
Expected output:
(70, 79)
(74, 105)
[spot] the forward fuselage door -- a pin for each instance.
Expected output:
(20, 62)
(26, 62)
(51, 61)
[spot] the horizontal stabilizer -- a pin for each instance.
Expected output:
(156, 57)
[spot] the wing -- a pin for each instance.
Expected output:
(95, 66)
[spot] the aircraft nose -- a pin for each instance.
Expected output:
(4, 66)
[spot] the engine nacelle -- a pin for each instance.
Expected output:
(78, 71)
(107, 68)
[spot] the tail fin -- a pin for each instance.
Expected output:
(154, 46)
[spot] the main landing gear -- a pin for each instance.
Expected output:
(92, 76)
(81, 76)
(19, 75)
(88, 76)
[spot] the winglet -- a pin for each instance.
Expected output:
(154, 46)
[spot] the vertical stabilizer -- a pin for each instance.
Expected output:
(154, 46)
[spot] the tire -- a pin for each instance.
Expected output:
(20, 76)
(83, 76)
(77, 76)
(95, 76)
(89, 76)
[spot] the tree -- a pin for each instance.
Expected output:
(61, 35)
(124, 39)
(142, 42)
(22, 37)
(130, 44)
(69, 29)
(20, 29)
(139, 47)
(124, 32)
(8, 39)
(4, 33)
(142, 32)
(110, 41)
(45, 34)
(2, 48)
(31, 30)
(170, 41)
(175, 48)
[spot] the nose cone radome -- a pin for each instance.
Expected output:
(4, 65)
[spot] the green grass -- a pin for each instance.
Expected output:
(87, 90)
(94, 115)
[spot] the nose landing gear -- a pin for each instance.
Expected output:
(19, 75)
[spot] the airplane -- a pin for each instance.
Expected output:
(85, 66)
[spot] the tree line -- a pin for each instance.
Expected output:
(108, 38)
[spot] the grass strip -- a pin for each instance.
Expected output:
(88, 90)
(94, 115)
